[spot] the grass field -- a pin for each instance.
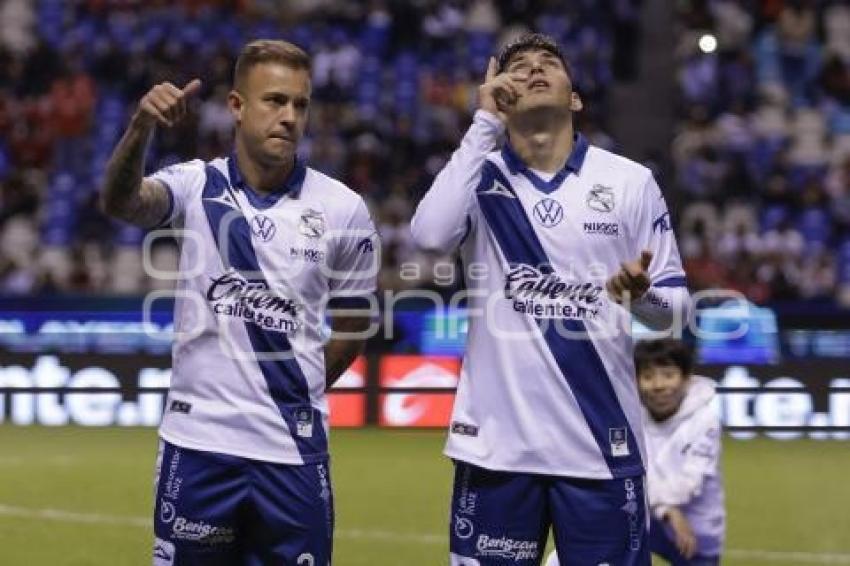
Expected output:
(73, 496)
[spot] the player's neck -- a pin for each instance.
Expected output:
(260, 177)
(544, 145)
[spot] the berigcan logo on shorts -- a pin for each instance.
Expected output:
(548, 213)
(263, 227)
(548, 295)
(201, 531)
(619, 442)
(600, 198)
(312, 223)
(232, 295)
(602, 229)
(505, 547)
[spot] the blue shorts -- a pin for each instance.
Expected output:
(503, 519)
(214, 509)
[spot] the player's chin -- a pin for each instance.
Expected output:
(279, 150)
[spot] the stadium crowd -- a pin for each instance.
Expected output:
(761, 155)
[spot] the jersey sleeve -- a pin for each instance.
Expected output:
(668, 299)
(356, 259)
(446, 213)
(181, 181)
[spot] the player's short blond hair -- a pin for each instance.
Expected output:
(270, 51)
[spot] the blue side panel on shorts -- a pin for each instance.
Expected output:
(286, 381)
(577, 359)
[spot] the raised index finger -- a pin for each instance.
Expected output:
(491, 70)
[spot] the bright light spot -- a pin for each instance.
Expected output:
(708, 43)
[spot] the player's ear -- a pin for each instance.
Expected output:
(236, 103)
(575, 102)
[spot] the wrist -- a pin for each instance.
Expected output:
(142, 123)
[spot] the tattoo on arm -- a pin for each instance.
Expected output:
(125, 194)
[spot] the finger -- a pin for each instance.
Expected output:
(645, 259)
(615, 288)
(151, 110)
(192, 88)
(491, 70)
(518, 79)
(178, 97)
(632, 268)
(165, 102)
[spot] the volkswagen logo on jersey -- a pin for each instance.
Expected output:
(312, 223)
(548, 213)
(262, 227)
(601, 198)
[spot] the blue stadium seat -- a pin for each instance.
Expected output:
(773, 216)
(815, 225)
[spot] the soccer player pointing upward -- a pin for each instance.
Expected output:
(243, 472)
(546, 427)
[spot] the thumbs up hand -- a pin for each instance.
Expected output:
(632, 281)
(165, 104)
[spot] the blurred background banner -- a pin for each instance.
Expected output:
(106, 343)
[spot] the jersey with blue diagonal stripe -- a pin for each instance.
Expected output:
(256, 273)
(547, 382)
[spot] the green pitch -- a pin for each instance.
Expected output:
(75, 497)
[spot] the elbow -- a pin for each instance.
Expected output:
(428, 240)
(431, 237)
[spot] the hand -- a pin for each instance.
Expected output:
(685, 541)
(632, 280)
(500, 92)
(165, 104)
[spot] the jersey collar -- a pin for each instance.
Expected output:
(291, 186)
(573, 165)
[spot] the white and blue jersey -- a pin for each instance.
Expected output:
(548, 381)
(256, 274)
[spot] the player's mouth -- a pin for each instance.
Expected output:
(538, 84)
(283, 137)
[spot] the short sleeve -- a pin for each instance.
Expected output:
(356, 258)
(654, 232)
(181, 181)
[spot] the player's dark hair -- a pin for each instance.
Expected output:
(270, 51)
(527, 42)
(664, 352)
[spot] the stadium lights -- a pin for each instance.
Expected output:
(708, 43)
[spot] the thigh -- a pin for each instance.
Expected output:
(600, 522)
(497, 518)
(292, 515)
(197, 505)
